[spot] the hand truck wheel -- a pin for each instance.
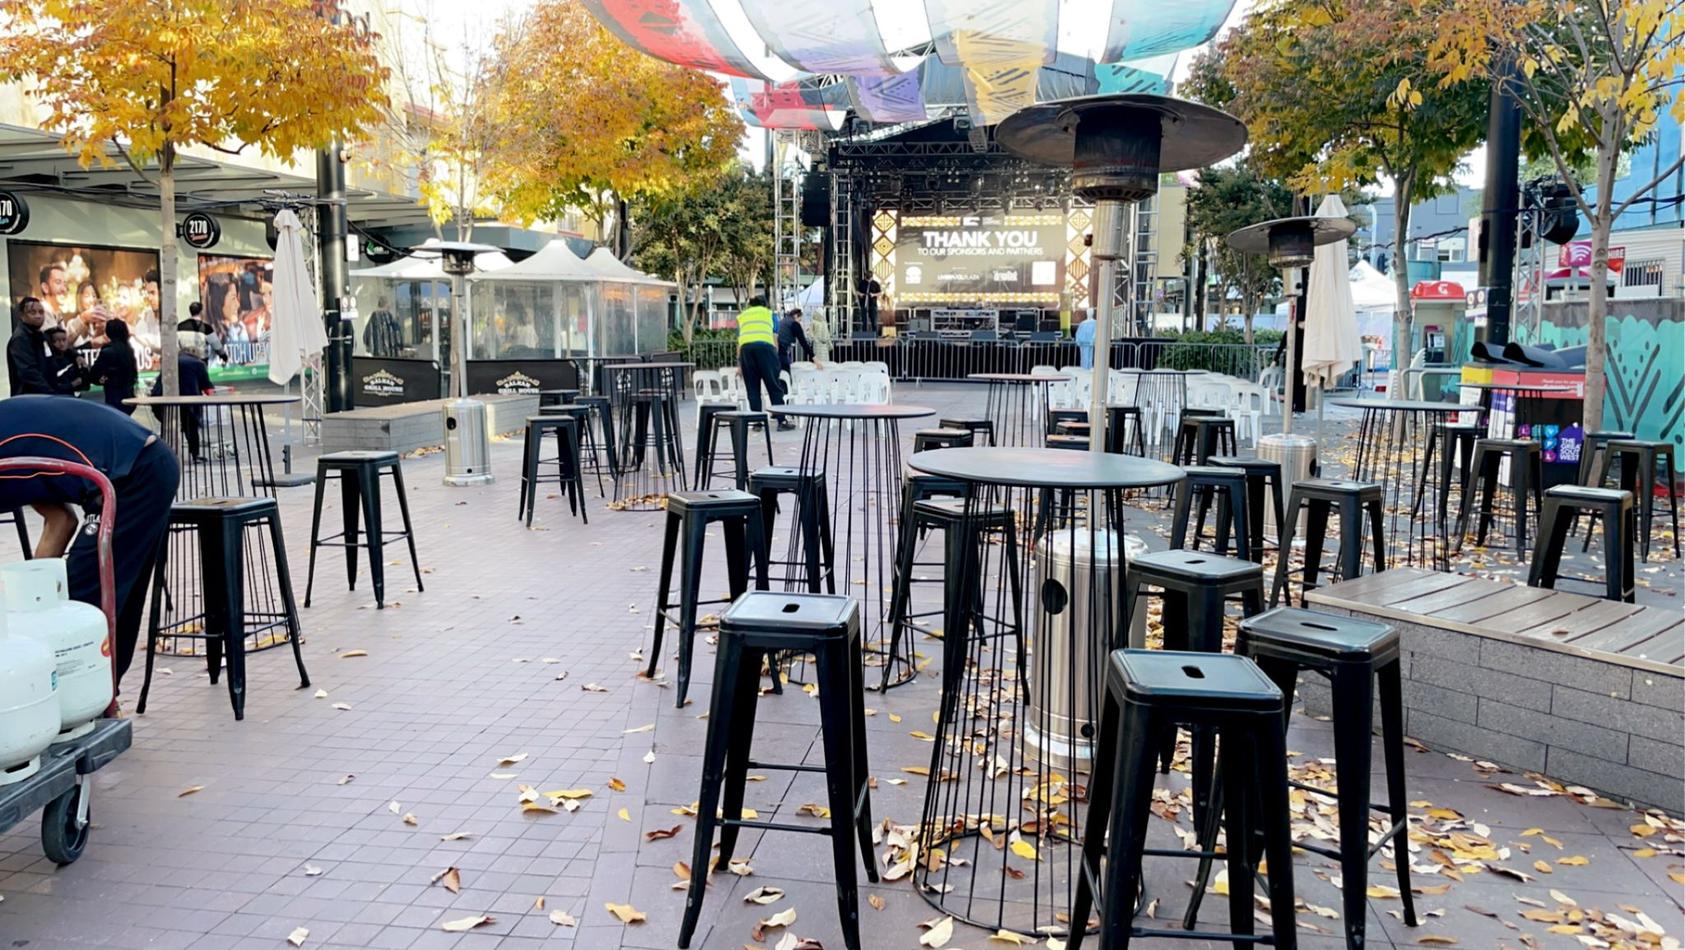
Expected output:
(66, 823)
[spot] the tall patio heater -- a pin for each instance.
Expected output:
(1289, 243)
(467, 441)
(1116, 147)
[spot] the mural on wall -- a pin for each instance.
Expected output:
(85, 285)
(1646, 368)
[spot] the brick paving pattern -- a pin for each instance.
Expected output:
(526, 644)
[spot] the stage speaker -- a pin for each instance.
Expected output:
(816, 200)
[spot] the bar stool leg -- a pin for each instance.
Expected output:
(669, 546)
(746, 696)
(349, 505)
(1665, 457)
(229, 551)
(715, 749)
(368, 485)
(836, 733)
(315, 542)
(409, 529)
(1389, 686)
(1129, 813)
(284, 580)
(1239, 765)
(1287, 528)
(1179, 519)
(1354, 697)
(1316, 532)
(690, 586)
(158, 575)
(1106, 769)
(1269, 751)
(1377, 539)
(857, 727)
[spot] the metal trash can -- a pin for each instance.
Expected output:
(1297, 455)
(1067, 666)
(467, 444)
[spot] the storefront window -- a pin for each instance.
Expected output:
(399, 319)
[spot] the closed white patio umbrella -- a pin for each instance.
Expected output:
(295, 330)
(1332, 344)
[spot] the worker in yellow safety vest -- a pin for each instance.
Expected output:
(757, 355)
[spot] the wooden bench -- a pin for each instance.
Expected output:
(405, 427)
(1590, 692)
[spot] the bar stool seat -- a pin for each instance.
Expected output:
(756, 626)
(220, 525)
(689, 513)
(359, 474)
(925, 440)
(1056, 416)
(1149, 693)
(1563, 505)
(1594, 455)
(972, 424)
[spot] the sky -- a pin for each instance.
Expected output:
(475, 21)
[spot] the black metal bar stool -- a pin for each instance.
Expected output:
(759, 625)
(927, 439)
(1123, 431)
(1261, 475)
(1360, 660)
(1195, 588)
(1056, 416)
(810, 525)
(1060, 440)
(1080, 427)
(587, 441)
(736, 423)
(971, 424)
(1562, 508)
(689, 513)
(359, 475)
(567, 460)
(1453, 444)
(601, 409)
(1525, 484)
(962, 532)
(1351, 502)
(1594, 455)
(1199, 437)
(1149, 694)
(1233, 510)
(557, 397)
(221, 524)
(1638, 459)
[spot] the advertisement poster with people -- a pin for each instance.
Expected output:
(237, 293)
(84, 286)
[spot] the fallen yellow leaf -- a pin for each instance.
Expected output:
(624, 815)
(1574, 861)
(464, 924)
(1024, 849)
(351, 653)
(189, 790)
(626, 913)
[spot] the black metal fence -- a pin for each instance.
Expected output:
(937, 359)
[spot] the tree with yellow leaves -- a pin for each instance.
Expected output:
(147, 78)
(1597, 72)
(585, 122)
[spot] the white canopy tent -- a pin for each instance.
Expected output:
(541, 308)
(416, 292)
(632, 311)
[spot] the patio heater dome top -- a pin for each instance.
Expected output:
(1117, 145)
(1290, 242)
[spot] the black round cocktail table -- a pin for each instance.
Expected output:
(1029, 619)
(1017, 404)
(858, 447)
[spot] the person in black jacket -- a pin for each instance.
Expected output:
(790, 337)
(114, 368)
(26, 353)
(193, 378)
(65, 369)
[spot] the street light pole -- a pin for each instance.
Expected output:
(336, 281)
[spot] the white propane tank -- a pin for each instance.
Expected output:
(38, 606)
(29, 705)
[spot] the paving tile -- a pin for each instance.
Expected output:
(453, 681)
